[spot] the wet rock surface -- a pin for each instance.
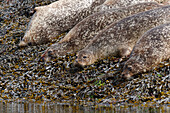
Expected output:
(24, 76)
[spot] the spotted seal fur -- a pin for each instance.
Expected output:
(113, 4)
(81, 34)
(152, 48)
(119, 38)
(52, 20)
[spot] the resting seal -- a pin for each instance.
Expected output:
(152, 48)
(56, 18)
(113, 4)
(119, 38)
(81, 34)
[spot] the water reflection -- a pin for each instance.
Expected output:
(25, 107)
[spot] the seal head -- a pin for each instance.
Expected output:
(85, 58)
(57, 49)
(129, 70)
(152, 48)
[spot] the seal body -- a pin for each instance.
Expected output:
(152, 48)
(82, 33)
(52, 20)
(113, 4)
(119, 38)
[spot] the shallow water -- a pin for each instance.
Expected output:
(27, 107)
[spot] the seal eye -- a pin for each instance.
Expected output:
(84, 57)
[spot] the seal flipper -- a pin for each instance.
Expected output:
(124, 51)
(22, 44)
(39, 8)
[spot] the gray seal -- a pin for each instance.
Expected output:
(52, 20)
(152, 48)
(81, 34)
(119, 38)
